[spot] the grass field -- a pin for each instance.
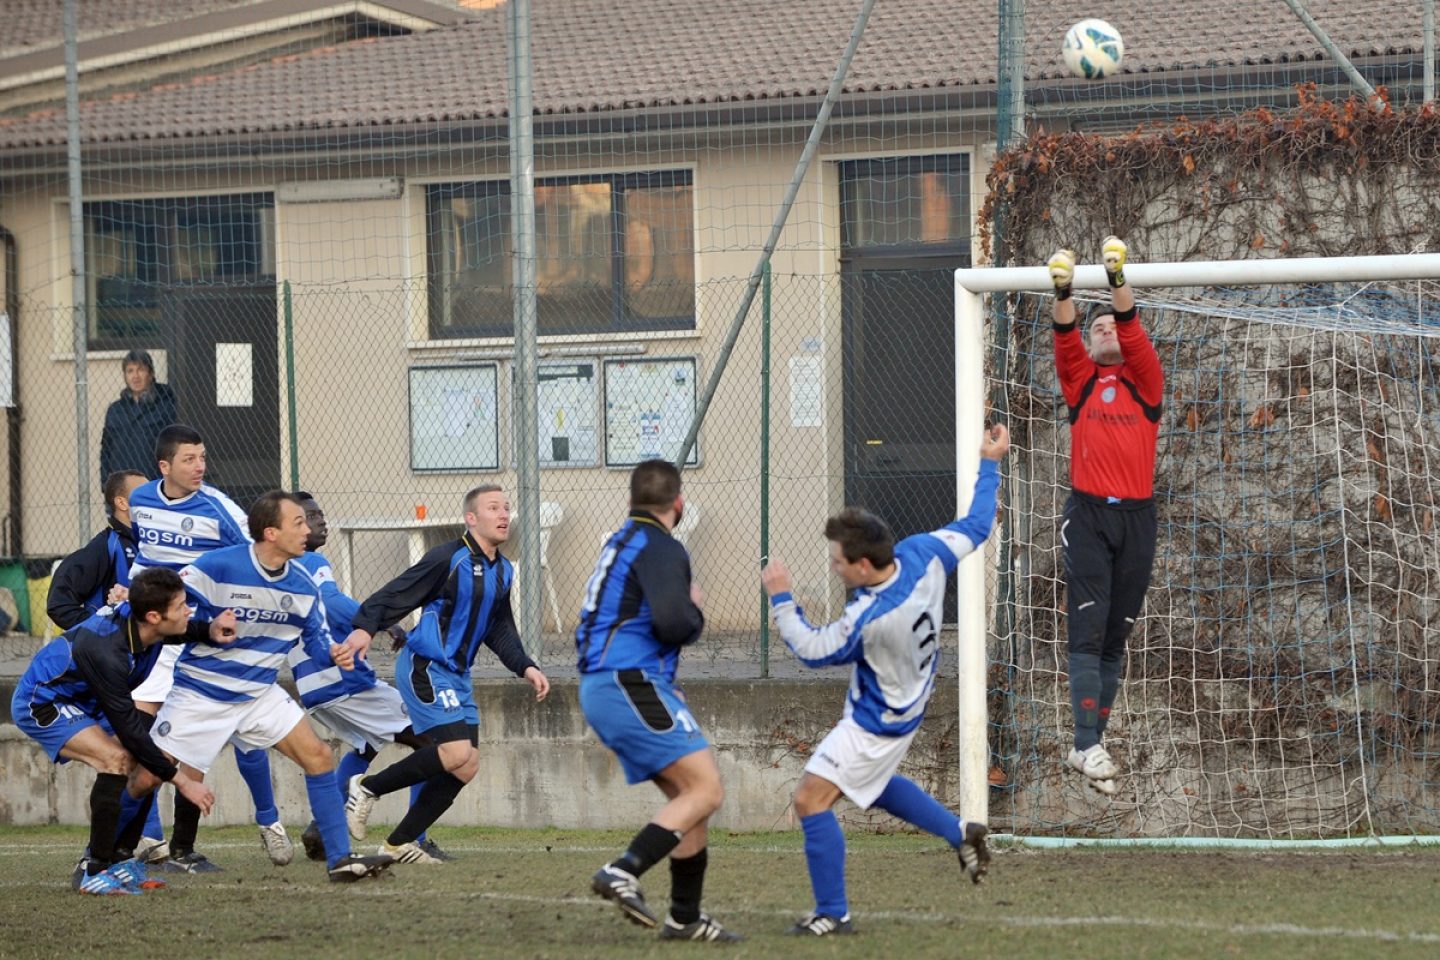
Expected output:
(517, 894)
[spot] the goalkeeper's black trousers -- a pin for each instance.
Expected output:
(1109, 550)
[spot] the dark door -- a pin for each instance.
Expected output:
(226, 373)
(900, 390)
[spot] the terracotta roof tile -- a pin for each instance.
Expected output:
(603, 55)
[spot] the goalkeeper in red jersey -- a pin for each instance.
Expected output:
(1113, 386)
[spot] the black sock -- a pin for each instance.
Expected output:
(420, 767)
(187, 824)
(129, 836)
(651, 845)
(105, 816)
(687, 882)
(435, 798)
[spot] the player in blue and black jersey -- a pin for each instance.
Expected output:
(81, 584)
(75, 701)
(178, 519)
(359, 707)
(641, 607)
(890, 631)
(229, 694)
(462, 589)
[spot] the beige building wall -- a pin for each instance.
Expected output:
(356, 271)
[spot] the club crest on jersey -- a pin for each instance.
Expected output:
(187, 524)
(1108, 395)
(162, 728)
(286, 601)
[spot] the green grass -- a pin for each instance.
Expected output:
(525, 893)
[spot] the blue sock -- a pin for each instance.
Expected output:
(153, 829)
(904, 799)
(255, 770)
(352, 763)
(129, 806)
(415, 789)
(329, 814)
(825, 855)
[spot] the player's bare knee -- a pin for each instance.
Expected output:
(457, 756)
(113, 761)
(142, 782)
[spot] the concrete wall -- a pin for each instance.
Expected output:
(540, 765)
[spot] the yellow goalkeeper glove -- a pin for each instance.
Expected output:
(1113, 252)
(1062, 272)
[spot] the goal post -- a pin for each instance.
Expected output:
(1127, 815)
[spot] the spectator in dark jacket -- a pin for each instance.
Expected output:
(134, 421)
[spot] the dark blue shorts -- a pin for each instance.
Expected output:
(434, 694)
(642, 718)
(53, 724)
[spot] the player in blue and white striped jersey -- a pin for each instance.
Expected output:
(177, 519)
(890, 632)
(359, 707)
(228, 693)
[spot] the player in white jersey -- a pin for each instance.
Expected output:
(228, 694)
(357, 706)
(178, 519)
(890, 632)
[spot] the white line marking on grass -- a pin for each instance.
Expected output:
(1201, 926)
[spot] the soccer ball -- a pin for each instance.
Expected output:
(1093, 49)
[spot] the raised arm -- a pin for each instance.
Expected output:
(1142, 363)
(1072, 362)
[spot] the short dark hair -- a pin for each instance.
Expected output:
(141, 357)
(265, 512)
(654, 485)
(468, 504)
(862, 534)
(172, 438)
(115, 485)
(1095, 311)
(305, 495)
(154, 589)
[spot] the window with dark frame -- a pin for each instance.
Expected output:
(615, 254)
(135, 249)
(905, 204)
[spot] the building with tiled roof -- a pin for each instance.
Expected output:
(355, 154)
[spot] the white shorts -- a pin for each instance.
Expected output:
(157, 686)
(859, 762)
(370, 718)
(194, 729)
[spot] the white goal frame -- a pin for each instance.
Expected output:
(971, 286)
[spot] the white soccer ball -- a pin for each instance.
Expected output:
(1093, 50)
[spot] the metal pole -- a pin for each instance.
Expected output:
(522, 228)
(1011, 125)
(80, 316)
(802, 166)
(765, 467)
(1427, 21)
(290, 388)
(1356, 80)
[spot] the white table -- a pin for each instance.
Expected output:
(343, 532)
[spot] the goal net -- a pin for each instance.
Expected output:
(1284, 679)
